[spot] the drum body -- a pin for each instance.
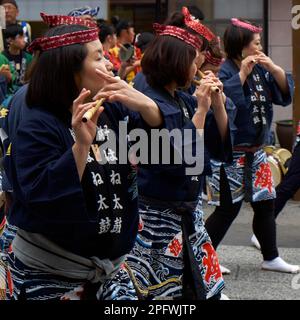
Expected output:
(278, 159)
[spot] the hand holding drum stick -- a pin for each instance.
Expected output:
(202, 75)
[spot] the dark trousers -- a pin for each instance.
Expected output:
(290, 183)
(264, 226)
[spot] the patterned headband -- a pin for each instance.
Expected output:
(48, 43)
(213, 60)
(184, 35)
(58, 20)
(238, 23)
(193, 23)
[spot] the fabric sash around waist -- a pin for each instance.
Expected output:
(37, 252)
(248, 149)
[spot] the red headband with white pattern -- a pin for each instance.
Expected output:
(48, 43)
(58, 20)
(193, 23)
(184, 35)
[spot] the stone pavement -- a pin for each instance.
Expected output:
(247, 281)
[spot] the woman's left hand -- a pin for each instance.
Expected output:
(266, 62)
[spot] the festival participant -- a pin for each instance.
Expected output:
(18, 58)
(74, 205)
(108, 38)
(11, 14)
(214, 57)
(173, 256)
(289, 185)
(253, 82)
(125, 36)
(11, 117)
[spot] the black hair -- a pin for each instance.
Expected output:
(52, 85)
(143, 40)
(105, 30)
(236, 39)
(123, 25)
(168, 59)
(13, 30)
(13, 2)
(114, 20)
(196, 12)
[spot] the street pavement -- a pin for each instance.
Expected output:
(247, 281)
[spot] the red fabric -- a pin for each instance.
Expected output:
(184, 35)
(115, 62)
(57, 20)
(196, 25)
(48, 43)
(238, 23)
(212, 60)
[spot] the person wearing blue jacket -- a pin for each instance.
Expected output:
(253, 82)
(74, 204)
(173, 256)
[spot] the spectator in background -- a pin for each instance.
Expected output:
(108, 38)
(11, 14)
(125, 35)
(18, 58)
(7, 80)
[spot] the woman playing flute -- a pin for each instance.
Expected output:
(173, 256)
(77, 216)
(253, 82)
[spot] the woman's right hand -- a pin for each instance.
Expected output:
(247, 66)
(203, 94)
(84, 131)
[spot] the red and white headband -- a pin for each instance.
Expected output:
(245, 25)
(57, 20)
(48, 43)
(184, 35)
(193, 23)
(213, 60)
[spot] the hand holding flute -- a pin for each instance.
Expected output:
(201, 75)
(89, 114)
(247, 66)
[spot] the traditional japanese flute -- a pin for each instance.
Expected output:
(89, 114)
(202, 75)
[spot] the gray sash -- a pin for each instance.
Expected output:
(37, 252)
